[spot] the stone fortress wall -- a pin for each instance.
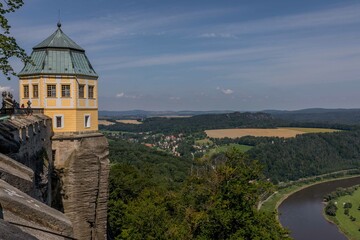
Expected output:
(66, 195)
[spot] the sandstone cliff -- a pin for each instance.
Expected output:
(82, 165)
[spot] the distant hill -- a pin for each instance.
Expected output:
(198, 123)
(330, 116)
(146, 114)
(350, 116)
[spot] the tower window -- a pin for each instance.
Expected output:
(65, 90)
(53, 153)
(91, 91)
(35, 91)
(26, 91)
(81, 91)
(87, 121)
(59, 121)
(51, 90)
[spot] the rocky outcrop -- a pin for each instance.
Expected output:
(32, 216)
(10, 232)
(82, 166)
(17, 175)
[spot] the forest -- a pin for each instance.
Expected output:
(154, 195)
(308, 155)
(199, 123)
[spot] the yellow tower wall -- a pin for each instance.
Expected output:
(72, 109)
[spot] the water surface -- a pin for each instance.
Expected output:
(302, 212)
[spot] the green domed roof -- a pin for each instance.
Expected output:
(59, 55)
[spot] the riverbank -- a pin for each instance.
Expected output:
(272, 203)
(348, 224)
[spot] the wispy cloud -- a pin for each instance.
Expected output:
(5, 89)
(226, 91)
(329, 17)
(181, 58)
(217, 35)
(123, 95)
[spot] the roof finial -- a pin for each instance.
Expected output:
(59, 21)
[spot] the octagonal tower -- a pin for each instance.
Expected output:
(62, 81)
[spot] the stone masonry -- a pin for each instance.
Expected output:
(82, 165)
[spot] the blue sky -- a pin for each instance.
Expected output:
(207, 54)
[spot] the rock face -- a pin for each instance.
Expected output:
(9, 232)
(17, 175)
(82, 168)
(31, 215)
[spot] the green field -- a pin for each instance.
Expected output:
(225, 148)
(347, 226)
(204, 142)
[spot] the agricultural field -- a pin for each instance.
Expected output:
(127, 121)
(257, 132)
(105, 122)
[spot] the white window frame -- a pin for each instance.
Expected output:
(65, 93)
(89, 121)
(55, 121)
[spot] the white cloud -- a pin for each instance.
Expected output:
(123, 95)
(5, 89)
(217, 35)
(120, 95)
(225, 91)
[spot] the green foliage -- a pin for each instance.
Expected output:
(8, 45)
(221, 200)
(346, 211)
(331, 209)
(308, 155)
(197, 124)
(348, 205)
(340, 192)
(213, 199)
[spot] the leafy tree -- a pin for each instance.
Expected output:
(157, 196)
(348, 205)
(8, 45)
(220, 201)
(331, 209)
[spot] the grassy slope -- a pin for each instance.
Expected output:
(350, 228)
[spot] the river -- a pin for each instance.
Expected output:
(302, 212)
